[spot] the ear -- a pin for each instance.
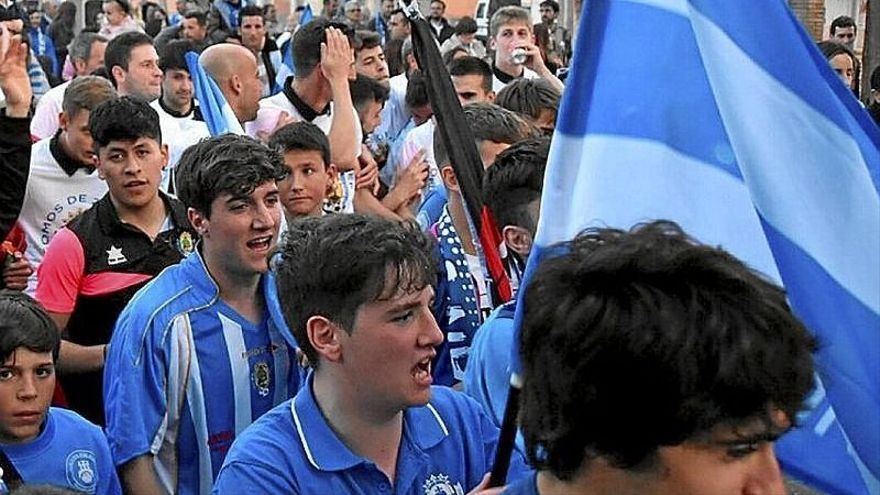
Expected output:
(79, 65)
(163, 149)
(491, 43)
(331, 177)
(235, 84)
(63, 121)
(323, 336)
(491, 96)
(118, 74)
(517, 239)
(449, 179)
(199, 221)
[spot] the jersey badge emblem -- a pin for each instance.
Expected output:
(185, 243)
(81, 469)
(262, 378)
(439, 484)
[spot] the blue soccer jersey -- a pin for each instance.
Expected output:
(447, 447)
(186, 374)
(487, 377)
(69, 453)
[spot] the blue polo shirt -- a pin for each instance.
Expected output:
(69, 453)
(447, 447)
(525, 486)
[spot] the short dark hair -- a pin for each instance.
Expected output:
(440, 2)
(529, 97)
(24, 323)
(843, 21)
(466, 25)
(450, 54)
(488, 122)
(301, 136)
(364, 40)
(307, 43)
(123, 119)
(383, 259)
(416, 90)
(875, 78)
(119, 49)
(250, 11)
(173, 56)
(514, 181)
(553, 4)
(365, 90)
(472, 66)
(199, 15)
(81, 46)
(832, 49)
(227, 164)
(636, 340)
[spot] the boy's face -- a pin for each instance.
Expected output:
(372, 116)
(470, 89)
(397, 336)
(133, 171)
(241, 231)
(727, 461)
(512, 35)
(75, 137)
(304, 190)
(27, 382)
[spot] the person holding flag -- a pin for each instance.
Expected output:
(763, 152)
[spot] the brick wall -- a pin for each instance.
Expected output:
(811, 14)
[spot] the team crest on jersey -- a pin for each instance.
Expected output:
(439, 484)
(262, 378)
(185, 243)
(115, 256)
(82, 473)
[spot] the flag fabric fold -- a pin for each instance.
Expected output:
(304, 18)
(722, 115)
(215, 109)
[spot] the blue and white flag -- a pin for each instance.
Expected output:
(722, 116)
(380, 26)
(215, 109)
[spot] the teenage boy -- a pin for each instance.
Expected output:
(533, 99)
(94, 266)
(655, 365)
(41, 444)
(367, 419)
(61, 180)
(465, 293)
(511, 36)
(199, 354)
(310, 173)
(512, 191)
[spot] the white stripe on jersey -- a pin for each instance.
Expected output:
(165, 443)
(195, 395)
(236, 352)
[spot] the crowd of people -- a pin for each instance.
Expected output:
(303, 307)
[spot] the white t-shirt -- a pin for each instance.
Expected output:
(52, 199)
(45, 121)
(498, 85)
(422, 137)
(179, 133)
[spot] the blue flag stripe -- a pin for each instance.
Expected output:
(621, 102)
(217, 113)
(828, 162)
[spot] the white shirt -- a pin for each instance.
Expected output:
(498, 85)
(179, 133)
(45, 121)
(52, 199)
(422, 137)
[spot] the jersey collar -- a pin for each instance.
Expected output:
(422, 426)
